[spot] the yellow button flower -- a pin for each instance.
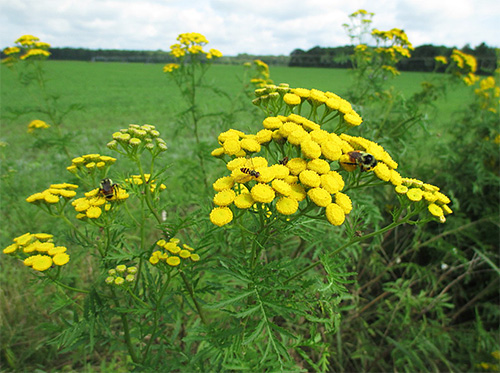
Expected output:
(344, 201)
(281, 187)
(298, 192)
(401, 189)
(310, 178)
(262, 193)
(41, 262)
(382, 171)
(291, 99)
(226, 182)
(331, 151)
(296, 165)
(332, 182)
(93, 212)
(318, 165)
(221, 216)
(10, 249)
(225, 197)
(435, 210)
(272, 123)
(414, 194)
(244, 201)
(310, 149)
(287, 206)
(335, 214)
(298, 136)
(173, 261)
(60, 259)
(320, 196)
(250, 145)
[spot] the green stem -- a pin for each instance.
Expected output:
(352, 241)
(155, 320)
(191, 294)
(126, 331)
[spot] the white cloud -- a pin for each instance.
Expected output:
(237, 26)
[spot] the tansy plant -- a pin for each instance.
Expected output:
(188, 71)
(138, 265)
(299, 172)
(373, 65)
(302, 170)
(27, 60)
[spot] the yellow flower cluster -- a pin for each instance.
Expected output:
(464, 66)
(37, 124)
(311, 176)
(169, 67)
(35, 53)
(441, 59)
(121, 274)
(190, 43)
(95, 201)
(172, 254)
(42, 253)
(136, 138)
(295, 97)
(400, 43)
(416, 191)
(289, 181)
(262, 76)
(32, 47)
(53, 194)
(89, 163)
(488, 94)
(137, 180)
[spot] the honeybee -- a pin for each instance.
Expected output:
(250, 172)
(365, 161)
(283, 161)
(108, 189)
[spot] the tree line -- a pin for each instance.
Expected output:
(422, 58)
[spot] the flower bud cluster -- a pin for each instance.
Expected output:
(136, 138)
(172, 253)
(38, 251)
(121, 274)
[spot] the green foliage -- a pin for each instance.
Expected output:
(379, 293)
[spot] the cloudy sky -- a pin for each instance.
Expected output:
(239, 26)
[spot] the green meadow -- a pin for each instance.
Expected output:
(116, 94)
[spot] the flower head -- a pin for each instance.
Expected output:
(38, 251)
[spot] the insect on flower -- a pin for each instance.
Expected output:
(250, 172)
(365, 161)
(108, 189)
(283, 161)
